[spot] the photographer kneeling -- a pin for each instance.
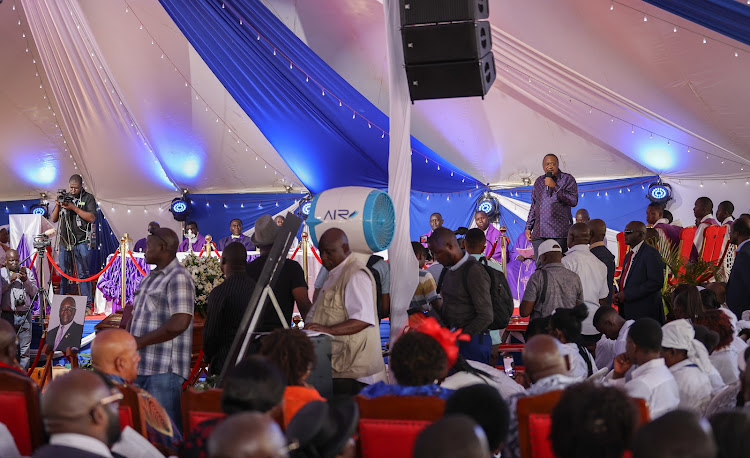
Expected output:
(76, 211)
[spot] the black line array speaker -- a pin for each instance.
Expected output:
(432, 11)
(446, 42)
(463, 78)
(447, 48)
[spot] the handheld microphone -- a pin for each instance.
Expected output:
(548, 175)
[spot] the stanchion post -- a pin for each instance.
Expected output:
(503, 245)
(304, 254)
(124, 248)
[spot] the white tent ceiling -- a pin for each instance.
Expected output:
(611, 94)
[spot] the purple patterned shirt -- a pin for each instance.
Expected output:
(550, 214)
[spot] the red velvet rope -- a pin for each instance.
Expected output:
(33, 260)
(315, 253)
(201, 253)
(295, 252)
(38, 354)
(136, 264)
(193, 372)
(216, 250)
(81, 280)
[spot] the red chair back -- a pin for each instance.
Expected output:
(622, 250)
(389, 425)
(686, 242)
(391, 438)
(198, 406)
(713, 243)
(540, 426)
(19, 411)
(130, 410)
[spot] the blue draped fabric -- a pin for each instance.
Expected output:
(15, 207)
(727, 17)
(106, 242)
(379, 389)
(213, 212)
(314, 134)
(457, 210)
(617, 202)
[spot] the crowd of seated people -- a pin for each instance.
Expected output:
(673, 378)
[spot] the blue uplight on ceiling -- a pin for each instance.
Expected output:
(183, 165)
(658, 158)
(37, 174)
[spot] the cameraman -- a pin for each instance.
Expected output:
(76, 212)
(18, 291)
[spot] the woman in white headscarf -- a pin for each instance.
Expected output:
(688, 362)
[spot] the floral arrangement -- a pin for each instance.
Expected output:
(207, 275)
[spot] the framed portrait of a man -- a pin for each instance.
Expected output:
(66, 322)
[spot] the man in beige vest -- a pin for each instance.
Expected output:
(346, 309)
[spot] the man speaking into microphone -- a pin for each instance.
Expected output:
(554, 195)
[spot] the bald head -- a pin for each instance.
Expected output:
(161, 247)
(452, 436)
(635, 233)
(233, 258)
(115, 352)
(598, 230)
(579, 234)
(334, 248)
(12, 260)
(582, 216)
(7, 343)
(73, 403)
(168, 237)
(444, 247)
(247, 435)
(542, 358)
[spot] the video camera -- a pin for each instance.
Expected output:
(64, 196)
(41, 242)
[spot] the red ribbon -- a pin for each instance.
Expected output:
(136, 264)
(193, 372)
(81, 280)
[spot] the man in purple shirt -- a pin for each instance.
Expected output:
(235, 226)
(492, 235)
(140, 245)
(436, 221)
(193, 240)
(554, 195)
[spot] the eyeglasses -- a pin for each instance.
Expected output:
(633, 232)
(114, 397)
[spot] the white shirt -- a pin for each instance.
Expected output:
(505, 385)
(578, 367)
(654, 383)
(593, 275)
(699, 230)
(694, 386)
(81, 442)
(725, 361)
(635, 251)
(607, 349)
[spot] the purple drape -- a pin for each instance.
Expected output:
(109, 283)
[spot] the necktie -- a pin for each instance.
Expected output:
(59, 337)
(626, 269)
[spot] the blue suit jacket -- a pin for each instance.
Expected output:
(738, 286)
(643, 288)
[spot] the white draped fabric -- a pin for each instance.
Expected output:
(403, 263)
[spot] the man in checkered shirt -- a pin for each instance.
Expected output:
(163, 323)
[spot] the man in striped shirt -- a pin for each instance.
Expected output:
(163, 323)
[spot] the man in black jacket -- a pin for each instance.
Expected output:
(466, 295)
(642, 277)
(599, 249)
(738, 286)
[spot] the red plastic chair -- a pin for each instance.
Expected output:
(130, 410)
(686, 242)
(198, 406)
(535, 422)
(389, 425)
(20, 412)
(713, 243)
(390, 438)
